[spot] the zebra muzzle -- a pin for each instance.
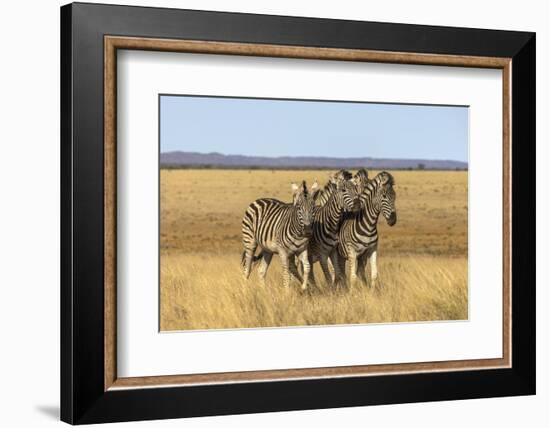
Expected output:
(392, 218)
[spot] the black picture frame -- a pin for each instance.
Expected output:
(83, 398)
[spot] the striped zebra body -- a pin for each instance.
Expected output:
(279, 228)
(342, 197)
(358, 235)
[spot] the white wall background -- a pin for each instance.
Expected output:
(29, 215)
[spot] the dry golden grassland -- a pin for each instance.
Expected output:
(422, 260)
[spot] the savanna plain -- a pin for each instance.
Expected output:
(422, 260)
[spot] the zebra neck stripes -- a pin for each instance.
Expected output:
(359, 231)
(324, 194)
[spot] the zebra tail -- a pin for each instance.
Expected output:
(255, 259)
(243, 258)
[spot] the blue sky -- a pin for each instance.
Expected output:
(304, 128)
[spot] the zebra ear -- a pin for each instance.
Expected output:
(338, 179)
(315, 188)
(295, 188)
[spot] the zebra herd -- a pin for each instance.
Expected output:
(336, 223)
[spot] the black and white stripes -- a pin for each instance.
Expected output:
(338, 223)
(281, 228)
(358, 235)
(340, 196)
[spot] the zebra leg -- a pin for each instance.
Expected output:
(300, 267)
(248, 255)
(300, 270)
(323, 260)
(286, 268)
(311, 280)
(264, 265)
(374, 268)
(339, 266)
(304, 258)
(361, 268)
(352, 257)
(293, 270)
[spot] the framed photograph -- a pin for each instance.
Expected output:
(265, 213)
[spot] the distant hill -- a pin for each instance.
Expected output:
(218, 160)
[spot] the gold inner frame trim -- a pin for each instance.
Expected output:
(113, 43)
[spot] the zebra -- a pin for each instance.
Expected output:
(358, 235)
(360, 179)
(339, 196)
(278, 227)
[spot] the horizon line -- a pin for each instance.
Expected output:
(314, 156)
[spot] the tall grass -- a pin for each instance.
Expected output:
(206, 291)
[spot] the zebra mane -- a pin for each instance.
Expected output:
(323, 195)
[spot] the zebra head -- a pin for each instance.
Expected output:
(386, 197)
(346, 191)
(304, 201)
(342, 174)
